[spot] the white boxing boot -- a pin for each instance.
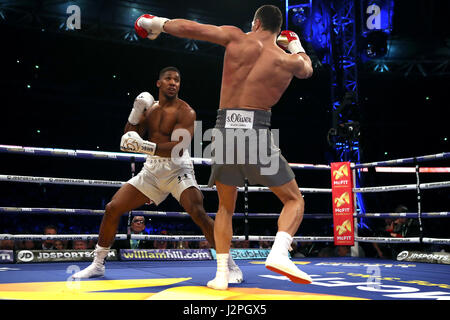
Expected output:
(278, 260)
(235, 274)
(97, 267)
(220, 282)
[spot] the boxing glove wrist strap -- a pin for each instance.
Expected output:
(148, 147)
(295, 47)
(158, 23)
(164, 23)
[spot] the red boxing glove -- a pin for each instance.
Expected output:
(148, 26)
(288, 40)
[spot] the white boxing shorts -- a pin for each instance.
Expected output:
(161, 176)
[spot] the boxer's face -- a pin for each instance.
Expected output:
(169, 84)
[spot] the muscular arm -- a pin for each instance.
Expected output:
(186, 122)
(193, 30)
(302, 65)
(138, 115)
(140, 128)
(298, 62)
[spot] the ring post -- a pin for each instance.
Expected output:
(246, 227)
(419, 202)
(343, 201)
(355, 248)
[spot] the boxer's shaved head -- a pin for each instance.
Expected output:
(164, 70)
(271, 18)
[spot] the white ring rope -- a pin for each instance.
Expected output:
(201, 161)
(87, 154)
(120, 156)
(117, 184)
(180, 214)
(42, 237)
(404, 187)
(106, 183)
(402, 240)
(68, 181)
(388, 240)
(403, 215)
(436, 240)
(123, 156)
(439, 156)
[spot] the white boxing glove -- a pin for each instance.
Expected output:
(142, 102)
(132, 142)
(148, 26)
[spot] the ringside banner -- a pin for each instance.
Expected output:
(428, 257)
(36, 256)
(6, 256)
(246, 254)
(343, 208)
(164, 254)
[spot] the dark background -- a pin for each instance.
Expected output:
(82, 92)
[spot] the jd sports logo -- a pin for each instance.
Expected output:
(25, 256)
(402, 255)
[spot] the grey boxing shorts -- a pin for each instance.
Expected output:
(243, 147)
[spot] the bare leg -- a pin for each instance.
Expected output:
(288, 223)
(126, 198)
(223, 233)
(294, 206)
(223, 225)
(192, 201)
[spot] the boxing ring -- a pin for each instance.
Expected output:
(334, 278)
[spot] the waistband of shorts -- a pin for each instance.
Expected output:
(157, 160)
(261, 117)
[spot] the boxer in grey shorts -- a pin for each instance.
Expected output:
(259, 161)
(258, 67)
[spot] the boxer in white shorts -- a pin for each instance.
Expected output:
(161, 176)
(167, 170)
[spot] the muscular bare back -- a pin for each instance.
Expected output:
(255, 73)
